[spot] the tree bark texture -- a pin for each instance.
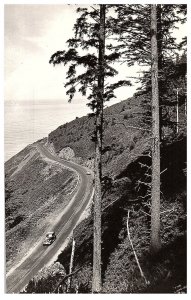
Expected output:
(71, 264)
(155, 185)
(160, 64)
(96, 283)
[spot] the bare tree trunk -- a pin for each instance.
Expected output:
(71, 265)
(185, 107)
(155, 185)
(177, 111)
(134, 252)
(96, 283)
(160, 65)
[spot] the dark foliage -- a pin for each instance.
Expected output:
(86, 37)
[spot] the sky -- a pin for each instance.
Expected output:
(32, 34)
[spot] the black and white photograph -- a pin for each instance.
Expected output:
(95, 148)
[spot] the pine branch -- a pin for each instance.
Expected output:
(144, 166)
(168, 211)
(145, 212)
(163, 171)
(144, 183)
(110, 204)
(146, 196)
(66, 277)
(147, 205)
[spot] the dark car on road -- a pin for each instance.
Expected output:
(50, 238)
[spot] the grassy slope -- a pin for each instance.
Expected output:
(36, 191)
(123, 148)
(122, 143)
(118, 141)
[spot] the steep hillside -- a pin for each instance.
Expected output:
(121, 143)
(126, 146)
(165, 273)
(127, 128)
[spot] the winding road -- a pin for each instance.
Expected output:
(19, 277)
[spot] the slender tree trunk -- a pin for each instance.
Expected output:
(177, 111)
(71, 265)
(160, 65)
(96, 283)
(185, 107)
(155, 186)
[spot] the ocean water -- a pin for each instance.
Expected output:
(26, 122)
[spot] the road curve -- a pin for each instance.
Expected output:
(40, 256)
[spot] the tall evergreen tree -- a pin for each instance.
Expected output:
(155, 183)
(90, 29)
(134, 25)
(96, 284)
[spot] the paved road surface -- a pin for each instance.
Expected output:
(41, 255)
